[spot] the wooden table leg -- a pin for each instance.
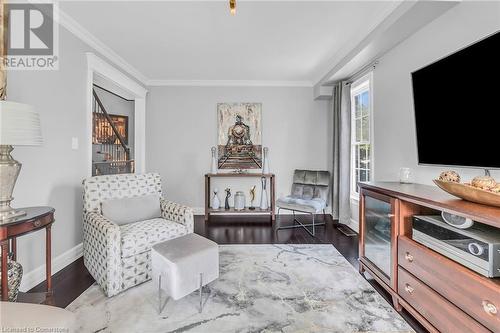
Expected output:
(207, 196)
(48, 259)
(13, 248)
(5, 280)
(273, 199)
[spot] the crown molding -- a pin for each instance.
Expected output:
(394, 27)
(87, 37)
(228, 83)
(100, 66)
(321, 75)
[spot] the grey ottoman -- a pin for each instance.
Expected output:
(183, 265)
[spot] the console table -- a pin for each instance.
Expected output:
(257, 210)
(441, 294)
(36, 218)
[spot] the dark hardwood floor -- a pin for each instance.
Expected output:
(74, 279)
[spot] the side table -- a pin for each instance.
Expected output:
(36, 218)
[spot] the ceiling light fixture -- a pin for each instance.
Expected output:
(232, 7)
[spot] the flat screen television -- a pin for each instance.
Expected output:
(457, 107)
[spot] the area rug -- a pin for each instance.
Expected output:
(262, 288)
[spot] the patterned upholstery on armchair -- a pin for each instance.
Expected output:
(119, 256)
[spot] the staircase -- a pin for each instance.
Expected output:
(108, 143)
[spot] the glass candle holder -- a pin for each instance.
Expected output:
(405, 175)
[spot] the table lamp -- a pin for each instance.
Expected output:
(19, 126)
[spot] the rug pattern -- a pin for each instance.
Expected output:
(262, 288)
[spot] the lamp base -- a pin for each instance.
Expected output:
(9, 170)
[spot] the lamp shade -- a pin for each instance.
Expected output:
(19, 125)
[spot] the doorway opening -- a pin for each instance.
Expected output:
(116, 109)
(112, 132)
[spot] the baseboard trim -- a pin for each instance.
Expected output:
(353, 224)
(198, 211)
(36, 276)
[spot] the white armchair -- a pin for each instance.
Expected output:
(119, 256)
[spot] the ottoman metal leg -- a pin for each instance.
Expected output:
(160, 305)
(200, 291)
(159, 294)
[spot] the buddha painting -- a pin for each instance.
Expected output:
(239, 143)
(239, 133)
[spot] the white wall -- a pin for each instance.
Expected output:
(181, 127)
(395, 141)
(52, 174)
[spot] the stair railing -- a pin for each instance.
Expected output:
(116, 154)
(120, 138)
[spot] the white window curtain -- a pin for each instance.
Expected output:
(341, 107)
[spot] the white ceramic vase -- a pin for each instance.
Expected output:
(265, 161)
(215, 200)
(263, 194)
(213, 168)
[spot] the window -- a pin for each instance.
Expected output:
(361, 142)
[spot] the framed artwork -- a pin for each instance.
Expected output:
(103, 133)
(239, 135)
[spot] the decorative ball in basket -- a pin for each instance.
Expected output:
(482, 189)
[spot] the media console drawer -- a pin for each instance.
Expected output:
(443, 315)
(476, 295)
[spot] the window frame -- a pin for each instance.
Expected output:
(364, 83)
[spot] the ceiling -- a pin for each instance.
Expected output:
(184, 41)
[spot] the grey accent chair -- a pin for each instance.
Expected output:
(310, 191)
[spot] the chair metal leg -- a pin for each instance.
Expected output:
(301, 225)
(200, 291)
(314, 229)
